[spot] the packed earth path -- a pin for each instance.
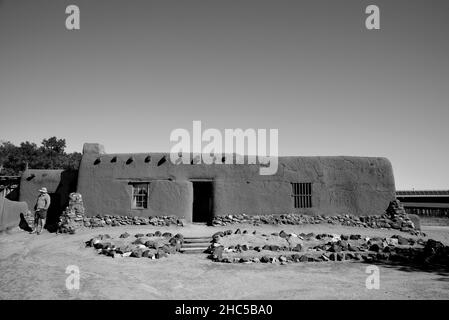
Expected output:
(34, 267)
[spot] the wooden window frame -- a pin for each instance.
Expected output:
(139, 201)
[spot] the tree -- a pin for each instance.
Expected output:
(9, 156)
(71, 161)
(53, 148)
(54, 144)
(50, 155)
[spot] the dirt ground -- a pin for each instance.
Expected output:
(33, 267)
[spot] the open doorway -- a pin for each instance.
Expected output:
(54, 212)
(202, 201)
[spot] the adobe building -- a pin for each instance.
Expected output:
(59, 183)
(11, 212)
(149, 184)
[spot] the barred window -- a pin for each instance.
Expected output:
(302, 194)
(140, 195)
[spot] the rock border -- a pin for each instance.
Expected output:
(116, 221)
(337, 248)
(394, 217)
(140, 248)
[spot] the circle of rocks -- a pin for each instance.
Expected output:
(140, 247)
(352, 247)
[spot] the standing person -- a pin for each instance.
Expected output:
(41, 207)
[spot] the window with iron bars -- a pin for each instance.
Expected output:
(140, 195)
(302, 194)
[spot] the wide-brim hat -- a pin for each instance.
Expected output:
(43, 189)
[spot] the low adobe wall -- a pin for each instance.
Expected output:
(59, 183)
(10, 213)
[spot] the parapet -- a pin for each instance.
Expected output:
(93, 148)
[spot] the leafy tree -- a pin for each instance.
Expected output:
(71, 161)
(54, 144)
(9, 155)
(53, 149)
(50, 155)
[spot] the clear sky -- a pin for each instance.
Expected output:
(136, 70)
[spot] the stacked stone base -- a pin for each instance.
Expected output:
(115, 221)
(29, 218)
(72, 218)
(395, 217)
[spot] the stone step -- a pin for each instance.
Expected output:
(196, 245)
(208, 243)
(203, 237)
(192, 250)
(198, 240)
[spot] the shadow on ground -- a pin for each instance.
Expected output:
(438, 269)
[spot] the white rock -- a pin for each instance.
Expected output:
(392, 241)
(335, 238)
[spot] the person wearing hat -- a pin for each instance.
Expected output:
(41, 207)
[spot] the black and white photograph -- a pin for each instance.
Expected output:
(242, 151)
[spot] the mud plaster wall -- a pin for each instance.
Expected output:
(341, 185)
(60, 182)
(10, 212)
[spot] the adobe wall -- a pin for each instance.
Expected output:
(10, 213)
(340, 185)
(345, 185)
(61, 182)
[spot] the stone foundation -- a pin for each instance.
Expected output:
(394, 217)
(115, 221)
